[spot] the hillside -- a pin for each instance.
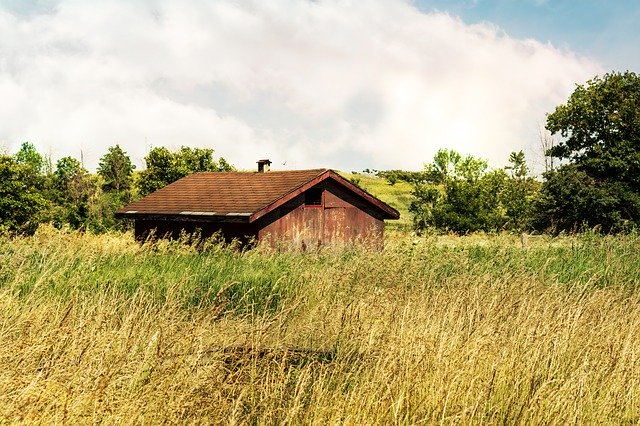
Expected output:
(397, 196)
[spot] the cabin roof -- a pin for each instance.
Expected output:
(244, 196)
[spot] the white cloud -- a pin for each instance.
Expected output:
(327, 83)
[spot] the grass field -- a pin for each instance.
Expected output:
(436, 330)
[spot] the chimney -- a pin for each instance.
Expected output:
(263, 166)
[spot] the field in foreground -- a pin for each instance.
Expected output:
(439, 330)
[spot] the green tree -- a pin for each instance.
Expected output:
(116, 169)
(224, 165)
(571, 199)
(519, 193)
(462, 195)
(518, 165)
(471, 205)
(21, 200)
(444, 166)
(29, 156)
(459, 195)
(73, 188)
(600, 184)
(165, 167)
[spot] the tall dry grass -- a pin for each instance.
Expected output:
(96, 329)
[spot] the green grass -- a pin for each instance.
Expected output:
(397, 196)
(74, 264)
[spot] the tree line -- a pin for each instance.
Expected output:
(33, 190)
(595, 183)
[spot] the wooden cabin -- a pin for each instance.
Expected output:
(299, 208)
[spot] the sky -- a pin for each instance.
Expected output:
(377, 84)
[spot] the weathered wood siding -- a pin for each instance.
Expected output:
(336, 221)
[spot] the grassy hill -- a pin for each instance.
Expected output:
(397, 196)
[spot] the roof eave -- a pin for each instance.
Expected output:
(186, 217)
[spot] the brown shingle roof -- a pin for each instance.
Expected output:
(240, 194)
(222, 194)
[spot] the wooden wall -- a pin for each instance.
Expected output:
(336, 221)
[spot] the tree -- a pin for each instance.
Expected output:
(116, 169)
(518, 165)
(600, 185)
(519, 192)
(571, 199)
(444, 165)
(461, 195)
(74, 188)
(165, 167)
(21, 200)
(457, 195)
(29, 156)
(471, 205)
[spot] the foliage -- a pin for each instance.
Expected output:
(572, 200)
(29, 156)
(21, 200)
(73, 189)
(164, 167)
(116, 169)
(600, 124)
(461, 195)
(518, 165)
(601, 127)
(32, 191)
(396, 175)
(519, 194)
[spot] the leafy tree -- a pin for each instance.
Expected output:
(458, 195)
(519, 193)
(21, 200)
(224, 165)
(601, 126)
(462, 195)
(571, 199)
(160, 171)
(116, 169)
(74, 188)
(444, 166)
(518, 165)
(600, 185)
(471, 205)
(165, 167)
(29, 156)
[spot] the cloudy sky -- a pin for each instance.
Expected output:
(327, 83)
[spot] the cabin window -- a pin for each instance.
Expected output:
(313, 197)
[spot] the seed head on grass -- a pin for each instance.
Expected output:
(444, 329)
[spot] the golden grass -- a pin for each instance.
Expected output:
(401, 337)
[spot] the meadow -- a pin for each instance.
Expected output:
(435, 329)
